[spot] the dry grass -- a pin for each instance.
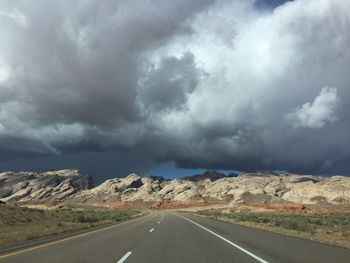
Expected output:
(18, 224)
(331, 228)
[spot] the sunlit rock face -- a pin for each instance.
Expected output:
(42, 187)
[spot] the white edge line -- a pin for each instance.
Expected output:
(124, 257)
(227, 241)
(151, 230)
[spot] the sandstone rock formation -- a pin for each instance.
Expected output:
(70, 186)
(42, 187)
(248, 188)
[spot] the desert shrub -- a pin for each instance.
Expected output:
(92, 216)
(295, 224)
(85, 218)
(316, 221)
(266, 220)
(298, 222)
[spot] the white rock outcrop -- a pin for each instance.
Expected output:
(42, 187)
(250, 187)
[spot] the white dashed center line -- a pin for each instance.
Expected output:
(124, 257)
(151, 230)
(158, 222)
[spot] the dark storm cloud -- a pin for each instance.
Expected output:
(167, 85)
(204, 84)
(79, 63)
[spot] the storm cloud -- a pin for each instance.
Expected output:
(204, 84)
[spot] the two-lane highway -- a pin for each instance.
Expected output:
(173, 237)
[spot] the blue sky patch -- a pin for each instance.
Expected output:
(270, 4)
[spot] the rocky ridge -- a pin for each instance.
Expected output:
(42, 187)
(70, 186)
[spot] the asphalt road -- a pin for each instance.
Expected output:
(168, 237)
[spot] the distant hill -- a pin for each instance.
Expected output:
(211, 175)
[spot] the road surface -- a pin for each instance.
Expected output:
(173, 237)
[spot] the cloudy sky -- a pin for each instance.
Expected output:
(113, 87)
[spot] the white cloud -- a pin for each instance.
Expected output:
(17, 17)
(4, 72)
(318, 113)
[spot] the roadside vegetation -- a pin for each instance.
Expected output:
(19, 224)
(332, 228)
